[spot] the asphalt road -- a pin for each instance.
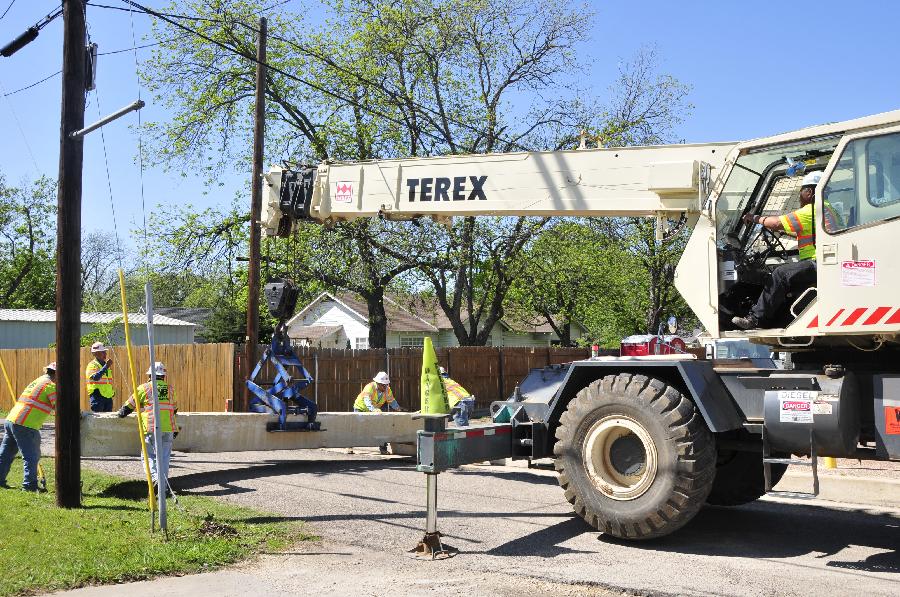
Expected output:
(513, 526)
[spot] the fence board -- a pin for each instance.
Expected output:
(201, 374)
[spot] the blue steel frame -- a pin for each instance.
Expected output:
(283, 397)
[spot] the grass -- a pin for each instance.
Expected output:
(108, 540)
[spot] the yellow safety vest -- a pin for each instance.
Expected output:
(800, 223)
(36, 403)
(455, 392)
(104, 384)
(166, 405)
(377, 398)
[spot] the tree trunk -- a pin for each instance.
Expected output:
(377, 319)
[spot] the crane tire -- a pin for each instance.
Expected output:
(634, 456)
(739, 478)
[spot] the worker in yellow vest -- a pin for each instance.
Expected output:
(22, 428)
(798, 274)
(462, 403)
(374, 397)
(143, 399)
(98, 374)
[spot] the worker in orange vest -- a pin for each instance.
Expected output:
(462, 403)
(23, 428)
(142, 400)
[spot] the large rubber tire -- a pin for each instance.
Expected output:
(740, 479)
(628, 496)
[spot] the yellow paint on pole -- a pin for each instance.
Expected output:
(434, 393)
(829, 462)
(134, 385)
(12, 393)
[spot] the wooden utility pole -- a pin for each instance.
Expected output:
(68, 260)
(259, 130)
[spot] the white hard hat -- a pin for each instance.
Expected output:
(382, 377)
(442, 371)
(98, 347)
(51, 366)
(160, 369)
(811, 178)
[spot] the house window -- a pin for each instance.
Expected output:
(412, 341)
(362, 343)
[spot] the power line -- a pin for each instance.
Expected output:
(7, 9)
(131, 49)
(47, 78)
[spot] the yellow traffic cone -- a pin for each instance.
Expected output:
(434, 393)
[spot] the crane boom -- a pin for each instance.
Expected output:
(640, 181)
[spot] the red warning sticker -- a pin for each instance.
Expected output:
(892, 420)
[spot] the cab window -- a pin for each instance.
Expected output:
(864, 187)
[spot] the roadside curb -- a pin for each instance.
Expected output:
(873, 491)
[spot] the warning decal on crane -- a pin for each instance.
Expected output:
(793, 410)
(892, 420)
(858, 273)
(343, 192)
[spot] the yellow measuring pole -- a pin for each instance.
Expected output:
(134, 385)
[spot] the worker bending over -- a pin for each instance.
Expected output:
(143, 399)
(98, 374)
(462, 403)
(22, 428)
(374, 397)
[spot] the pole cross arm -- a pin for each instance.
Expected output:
(137, 105)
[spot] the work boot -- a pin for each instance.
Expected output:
(746, 323)
(34, 489)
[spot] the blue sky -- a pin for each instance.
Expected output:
(755, 68)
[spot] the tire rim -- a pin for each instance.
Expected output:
(620, 457)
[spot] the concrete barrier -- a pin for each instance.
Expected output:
(107, 435)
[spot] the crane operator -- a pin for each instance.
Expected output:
(798, 274)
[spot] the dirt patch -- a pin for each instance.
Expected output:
(211, 528)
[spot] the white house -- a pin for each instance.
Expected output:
(33, 328)
(339, 321)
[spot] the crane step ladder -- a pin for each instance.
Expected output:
(813, 462)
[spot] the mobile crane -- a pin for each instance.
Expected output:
(641, 443)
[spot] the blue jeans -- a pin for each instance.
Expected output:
(27, 440)
(462, 411)
(165, 451)
(99, 404)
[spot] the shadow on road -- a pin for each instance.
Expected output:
(779, 530)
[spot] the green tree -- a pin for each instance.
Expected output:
(28, 245)
(564, 277)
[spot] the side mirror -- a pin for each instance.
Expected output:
(673, 324)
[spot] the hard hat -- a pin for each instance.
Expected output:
(98, 347)
(811, 178)
(51, 366)
(382, 377)
(160, 369)
(442, 371)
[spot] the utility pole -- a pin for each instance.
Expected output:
(259, 130)
(68, 260)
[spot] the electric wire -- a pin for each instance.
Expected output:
(306, 82)
(36, 83)
(137, 75)
(7, 9)
(19, 126)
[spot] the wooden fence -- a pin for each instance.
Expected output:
(201, 374)
(489, 373)
(206, 376)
